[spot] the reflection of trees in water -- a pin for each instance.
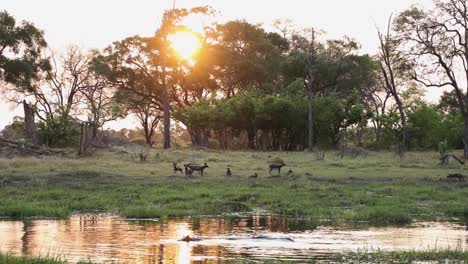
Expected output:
(105, 238)
(161, 254)
(26, 238)
(230, 224)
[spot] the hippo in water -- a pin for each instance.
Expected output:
(189, 239)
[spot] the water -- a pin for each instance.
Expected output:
(111, 239)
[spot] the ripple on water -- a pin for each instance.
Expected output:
(108, 238)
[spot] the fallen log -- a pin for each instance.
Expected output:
(445, 159)
(28, 149)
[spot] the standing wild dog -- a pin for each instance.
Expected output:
(198, 168)
(188, 170)
(277, 166)
(228, 173)
(176, 168)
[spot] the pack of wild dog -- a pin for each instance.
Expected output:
(190, 168)
(456, 176)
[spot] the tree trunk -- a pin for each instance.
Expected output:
(167, 112)
(404, 126)
(85, 139)
(378, 136)
(29, 124)
(309, 85)
(199, 137)
(251, 138)
(263, 140)
(148, 137)
(204, 138)
(95, 132)
(310, 119)
(465, 136)
(193, 137)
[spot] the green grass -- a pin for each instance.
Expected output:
(396, 257)
(404, 257)
(401, 257)
(9, 259)
(379, 188)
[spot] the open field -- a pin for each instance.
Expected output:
(378, 187)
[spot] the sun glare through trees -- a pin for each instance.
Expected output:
(185, 43)
(252, 137)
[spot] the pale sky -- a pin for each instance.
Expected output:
(97, 23)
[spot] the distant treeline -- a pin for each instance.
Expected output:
(250, 88)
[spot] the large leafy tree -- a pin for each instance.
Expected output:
(247, 57)
(143, 108)
(147, 66)
(332, 68)
(21, 47)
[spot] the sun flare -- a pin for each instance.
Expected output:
(186, 44)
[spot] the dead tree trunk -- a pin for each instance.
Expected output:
(444, 160)
(29, 123)
(389, 59)
(85, 138)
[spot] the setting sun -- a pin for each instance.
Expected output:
(185, 43)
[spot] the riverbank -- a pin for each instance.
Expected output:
(375, 187)
(409, 257)
(8, 259)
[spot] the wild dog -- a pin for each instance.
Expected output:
(198, 168)
(456, 176)
(228, 173)
(277, 166)
(176, 168)
(188, 170)
(254, 176)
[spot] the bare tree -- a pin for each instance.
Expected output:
(61, 94)
(376, 99)
(393, 67)
(437, 42)
(149, 117)
(60, 91)
(100, 102)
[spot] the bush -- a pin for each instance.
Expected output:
(15, 130)
(59, 132)
(139, 141)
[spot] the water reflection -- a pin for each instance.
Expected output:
(110, 239)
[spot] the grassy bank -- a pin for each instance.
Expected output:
(378, 187)
(403, 257)
(8, 259)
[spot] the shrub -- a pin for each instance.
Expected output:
(139, 141)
